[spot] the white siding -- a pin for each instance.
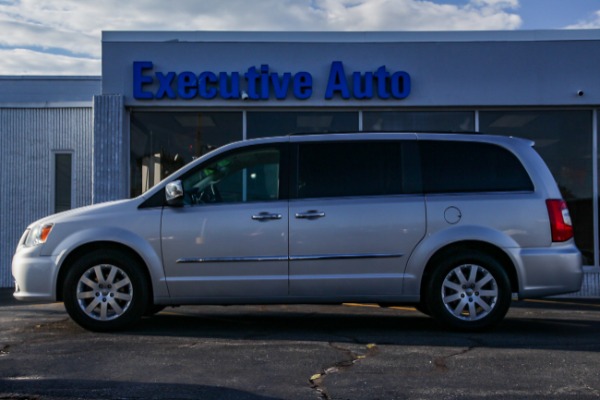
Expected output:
(28, 138)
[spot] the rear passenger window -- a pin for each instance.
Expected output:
(458, 167)
(356, 168)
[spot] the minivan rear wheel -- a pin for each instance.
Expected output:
(105, 291)
(469, 291)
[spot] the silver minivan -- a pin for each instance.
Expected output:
(455, 224)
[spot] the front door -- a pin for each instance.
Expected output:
(230, 239)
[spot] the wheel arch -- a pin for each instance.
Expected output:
(465, 246)
(94, 246)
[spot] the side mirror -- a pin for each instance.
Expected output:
(174, 193)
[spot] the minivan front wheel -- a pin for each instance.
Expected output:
(469, 292)
(105, 291)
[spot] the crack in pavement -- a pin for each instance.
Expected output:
(440, 362)
(351, 358)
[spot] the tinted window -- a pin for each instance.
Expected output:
(419, 121)
(162, 142)
(355, 169)
(280, 123)
(471, 167)
(243, 176)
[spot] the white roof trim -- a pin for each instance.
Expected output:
(351, 37)
(49, 78)
(49, 104)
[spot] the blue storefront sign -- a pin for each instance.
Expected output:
(263, 84)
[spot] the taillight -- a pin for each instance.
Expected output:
(560, 220)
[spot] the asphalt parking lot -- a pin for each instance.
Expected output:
(544, 349)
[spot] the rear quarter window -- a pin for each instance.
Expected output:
(459, 167)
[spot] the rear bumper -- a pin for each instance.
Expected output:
(549, 271)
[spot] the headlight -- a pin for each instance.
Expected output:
(38, 235)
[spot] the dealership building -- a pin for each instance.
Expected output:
(165, 98)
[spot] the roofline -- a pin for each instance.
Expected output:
(48, 104)
(351, 37)
(50, 78)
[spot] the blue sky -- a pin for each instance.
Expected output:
(63, 37)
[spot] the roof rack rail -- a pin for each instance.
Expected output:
(303, 133)
(448, 132)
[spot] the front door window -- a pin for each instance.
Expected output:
(238, 178)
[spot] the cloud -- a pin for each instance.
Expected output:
(496, 4)
(25, 34)
(593, 22)
(417, 15)
(28, 62)
(67, 33)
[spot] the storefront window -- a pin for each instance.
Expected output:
(564, 140)
(162, 142)
(420, 121)
(279, 123)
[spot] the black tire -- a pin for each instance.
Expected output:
(469, 291)
(153, 309)
(106, 290)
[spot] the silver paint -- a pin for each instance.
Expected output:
(358, 249)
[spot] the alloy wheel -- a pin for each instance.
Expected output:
(469, 292)
(104, 292)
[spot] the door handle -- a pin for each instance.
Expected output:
(265, 216)
(311, 214)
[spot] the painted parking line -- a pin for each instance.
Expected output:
(567, 303)
(403, 308)
(377, 306)
(361, 305)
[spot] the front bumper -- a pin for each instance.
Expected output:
(35, 275)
